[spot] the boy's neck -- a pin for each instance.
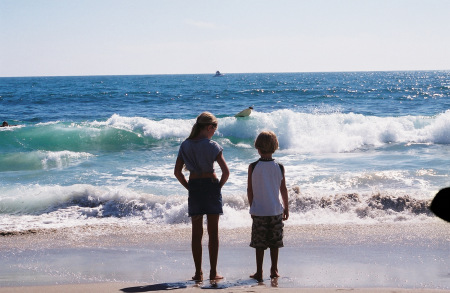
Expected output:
(265, 157)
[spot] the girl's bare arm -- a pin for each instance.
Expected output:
(224, 167)
(178, 172)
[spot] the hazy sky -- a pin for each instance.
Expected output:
(110, 37)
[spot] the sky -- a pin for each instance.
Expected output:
(133, 37)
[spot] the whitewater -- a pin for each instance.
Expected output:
(359, 148)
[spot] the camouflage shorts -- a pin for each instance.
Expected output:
(267, 232)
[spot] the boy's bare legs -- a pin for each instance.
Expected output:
(259, 265)
(213, 245)
(196, 244)
(274, 259)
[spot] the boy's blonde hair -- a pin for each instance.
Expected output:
(266, 142)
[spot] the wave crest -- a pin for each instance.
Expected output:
(338, 132)
(297, 132)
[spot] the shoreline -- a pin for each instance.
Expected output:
(115, 235)
(133, 287)
(404, 256)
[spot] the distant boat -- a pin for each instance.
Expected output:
(218, 74)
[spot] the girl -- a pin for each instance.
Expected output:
(198, 153)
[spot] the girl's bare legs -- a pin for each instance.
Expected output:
(196, 244)
(213, 232)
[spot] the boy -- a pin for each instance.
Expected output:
(265, 182)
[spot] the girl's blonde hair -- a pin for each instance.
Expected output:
(203, 120)
(266, 142)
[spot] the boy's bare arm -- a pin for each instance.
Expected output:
(249, 186)
(284, 197)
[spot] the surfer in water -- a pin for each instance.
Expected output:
(5, 124)
(244, 113)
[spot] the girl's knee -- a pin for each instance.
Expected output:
(197, 232)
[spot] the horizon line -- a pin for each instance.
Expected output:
(229, 73)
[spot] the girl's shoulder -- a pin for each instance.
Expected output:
(204, 143)
(214, 143)
(194, 141)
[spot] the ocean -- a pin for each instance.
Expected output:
(358, 147)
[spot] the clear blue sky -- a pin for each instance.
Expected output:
(109, 37)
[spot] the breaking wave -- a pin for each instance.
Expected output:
(59, 206)
(297, 132)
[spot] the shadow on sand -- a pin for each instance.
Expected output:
(156, 287)
(200, 285)
(177, 285)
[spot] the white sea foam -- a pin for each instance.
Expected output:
(161, 129)
(37, 160)
(332, 132)
(54, 206)
(62, 158)
(338, 132)
(48, 123)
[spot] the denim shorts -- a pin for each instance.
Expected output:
(205, 197)
(267, 232)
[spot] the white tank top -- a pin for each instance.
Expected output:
(266, 181)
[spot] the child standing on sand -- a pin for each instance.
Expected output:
(198, 153)
(265, 182)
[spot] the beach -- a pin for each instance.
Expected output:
(88, 199)
(326, 258)
(97, 99)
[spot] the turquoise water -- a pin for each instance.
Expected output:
(361, 147)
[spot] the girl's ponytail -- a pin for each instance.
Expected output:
(203, 120)
(195, 131)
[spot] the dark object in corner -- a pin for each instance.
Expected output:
(440, 205)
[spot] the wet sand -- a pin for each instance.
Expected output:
(124, 287)
(326, 258)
